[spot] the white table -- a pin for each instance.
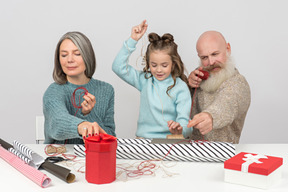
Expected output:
(191, 176)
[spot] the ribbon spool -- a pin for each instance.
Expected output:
(206, 75)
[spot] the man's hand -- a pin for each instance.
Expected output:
(203, 122)
(194, 79)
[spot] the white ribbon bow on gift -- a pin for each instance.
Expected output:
(251, 159)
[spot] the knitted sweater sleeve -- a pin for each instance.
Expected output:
(232, 101)
(59, 124)
(122, 69)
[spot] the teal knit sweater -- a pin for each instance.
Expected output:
(60, 122)
(156, 107)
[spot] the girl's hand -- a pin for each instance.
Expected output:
(87, 129)
(174, 127)
(88, 103)
(193, 79)
(139, 30)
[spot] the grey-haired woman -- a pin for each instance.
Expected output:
(76, 105)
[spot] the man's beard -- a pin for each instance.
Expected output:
(216, 79)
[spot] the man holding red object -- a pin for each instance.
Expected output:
(222, 101)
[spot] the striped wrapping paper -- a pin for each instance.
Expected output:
(35, 175)
(26, 154)
(143, 149)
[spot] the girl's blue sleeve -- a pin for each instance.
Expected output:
(121, 67)
(183, 107)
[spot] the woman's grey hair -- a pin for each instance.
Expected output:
(84, 46)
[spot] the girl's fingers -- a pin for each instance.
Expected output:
(169, 123)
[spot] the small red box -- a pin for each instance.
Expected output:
(253, 170)
(101, 159)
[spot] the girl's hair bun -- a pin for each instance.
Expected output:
(167, 38)
(153, 37)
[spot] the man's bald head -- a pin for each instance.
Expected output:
(212, 49)
(214, 53)
(209, 37)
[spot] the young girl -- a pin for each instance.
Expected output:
(165, 98)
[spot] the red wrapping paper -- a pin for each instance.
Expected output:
(35, 175)
(101, 158)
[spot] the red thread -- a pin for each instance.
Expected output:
(146, 167)
(193, 101)
(206, 75)
(73, 100)
(202, 140)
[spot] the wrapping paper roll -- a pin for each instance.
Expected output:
(60, 172)
(5, 145)
(189, 151)
(35, 175)
(35, 160)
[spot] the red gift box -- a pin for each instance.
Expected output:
(253, 170)
(101, 158)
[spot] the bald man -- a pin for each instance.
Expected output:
(222, 101)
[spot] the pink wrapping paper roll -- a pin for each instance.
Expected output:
(35, 175)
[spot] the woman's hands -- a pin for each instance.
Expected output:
(87, 129)
(88, 103)
(139, 30)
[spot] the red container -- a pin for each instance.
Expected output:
(101, 159)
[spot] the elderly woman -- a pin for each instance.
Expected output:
(76, 106)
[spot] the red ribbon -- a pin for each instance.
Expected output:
(101, 137)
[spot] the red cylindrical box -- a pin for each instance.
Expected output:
(100, 159)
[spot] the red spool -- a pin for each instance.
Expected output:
(206, 75)
(101, 159)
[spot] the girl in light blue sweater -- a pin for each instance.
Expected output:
(165, 97)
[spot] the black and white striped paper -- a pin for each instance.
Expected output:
(26, 154)
(18, 154)
(143, 149)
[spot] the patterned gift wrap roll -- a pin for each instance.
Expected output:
(143, 149)
(35, 175)
(27, 155)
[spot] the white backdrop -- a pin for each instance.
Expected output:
(257, 31)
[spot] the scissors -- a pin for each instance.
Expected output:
(55, 159)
